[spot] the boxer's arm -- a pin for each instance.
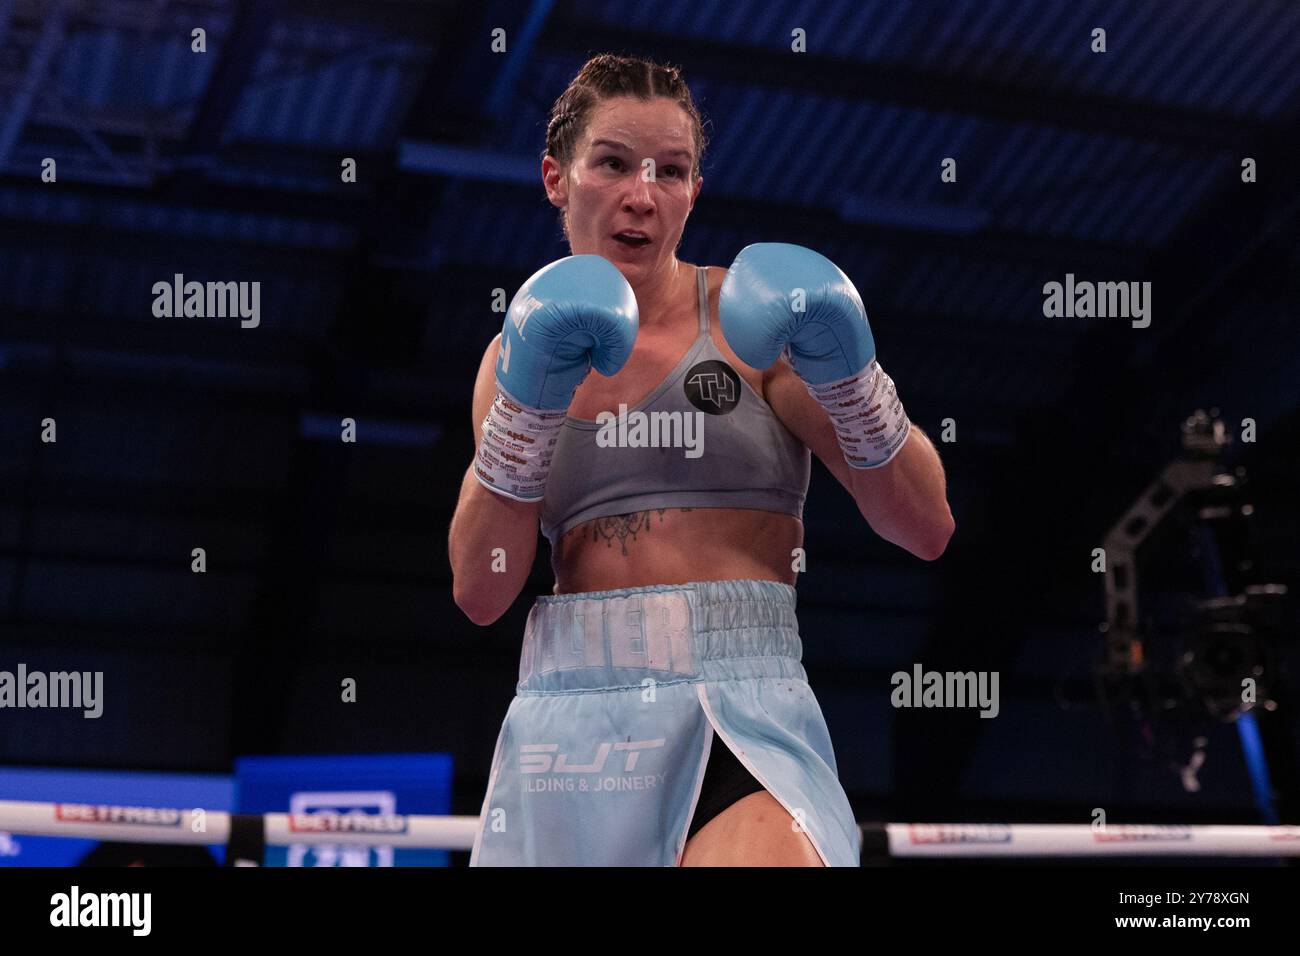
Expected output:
(905, 501)
(485, 521)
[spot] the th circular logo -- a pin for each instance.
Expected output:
(713, 387)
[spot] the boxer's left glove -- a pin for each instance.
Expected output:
(575, 314)
(778, 296)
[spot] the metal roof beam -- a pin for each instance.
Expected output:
(16, 115)
(1088, 111)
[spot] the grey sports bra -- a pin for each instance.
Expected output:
(701, 439)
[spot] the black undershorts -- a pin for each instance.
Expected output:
(725, 782)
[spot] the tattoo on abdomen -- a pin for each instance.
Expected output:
(625, 527)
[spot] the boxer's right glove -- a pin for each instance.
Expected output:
(574, 314)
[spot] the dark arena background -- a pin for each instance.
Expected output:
(240, 520)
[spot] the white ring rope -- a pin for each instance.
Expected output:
(1116, 839)
(201, 826)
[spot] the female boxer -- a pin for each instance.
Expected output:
(662, 715)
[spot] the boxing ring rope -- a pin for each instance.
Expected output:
(1061, 840)
(207, 827)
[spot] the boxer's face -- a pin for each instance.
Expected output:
(610, 189)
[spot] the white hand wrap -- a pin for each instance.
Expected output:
(867, 414)
(515, 452)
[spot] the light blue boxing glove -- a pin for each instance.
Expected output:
(780, 297)
(575, 314)
(568, 317)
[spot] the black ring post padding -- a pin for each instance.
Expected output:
(875, 845)
(247, 843)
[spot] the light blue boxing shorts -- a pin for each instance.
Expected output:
(621, 694)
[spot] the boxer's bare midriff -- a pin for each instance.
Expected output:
(676, 545)
(670, 545)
